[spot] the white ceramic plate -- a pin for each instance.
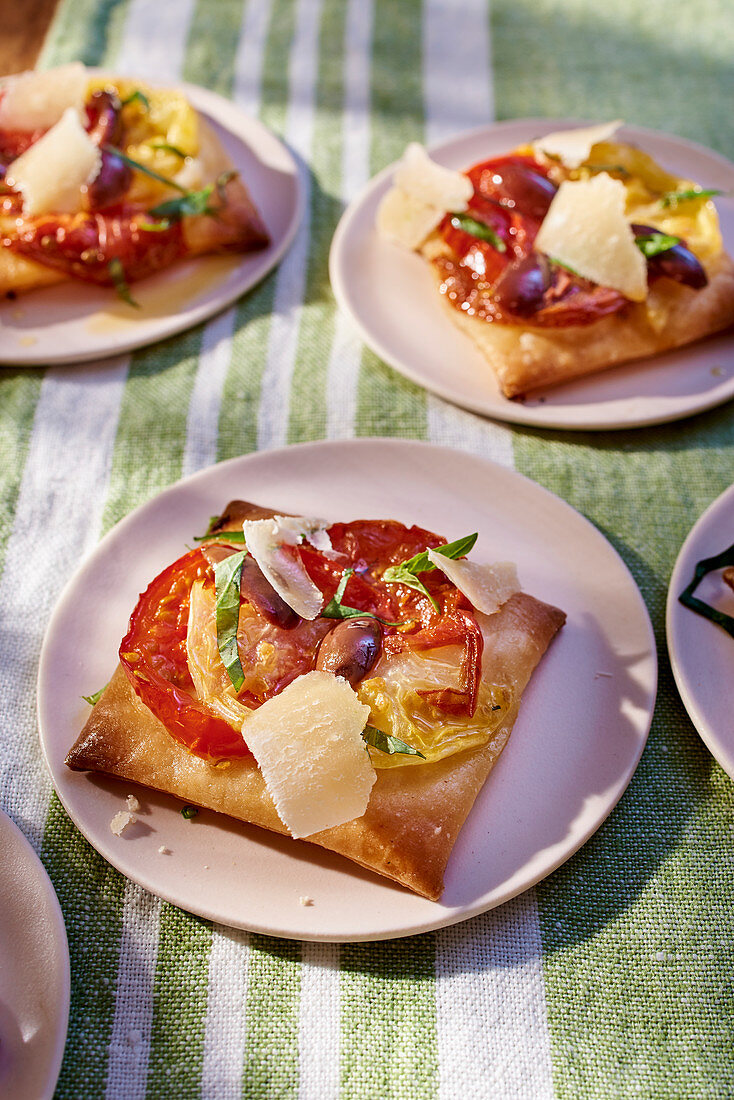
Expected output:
(582, 725)
(391, 296)
(34, 971)
(701, 653)
(75, 322)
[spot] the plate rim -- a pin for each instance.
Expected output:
(675, 617)
(505, 410)
(443, 916)
(62, 944)
(213, 105)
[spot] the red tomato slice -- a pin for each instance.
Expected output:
(153, 653)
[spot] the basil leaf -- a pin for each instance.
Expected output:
(335, 609)
(93, 699)
(385, 742)
(193, 203)
(400, 574)
(420, 563)
(167, 148)
(154, 227)
(143, 168)
(227, 577)
(566, 267)
(117, 274)
(652, 244)
(189, 811)
(618, 168)
(478, 229)
(709, 565)
(137, 97)
(673, 198)
(224, 536)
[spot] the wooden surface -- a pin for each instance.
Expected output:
(23, 26)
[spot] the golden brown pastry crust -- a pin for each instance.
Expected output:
(414, 814)
(525, 358)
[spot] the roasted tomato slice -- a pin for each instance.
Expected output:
(85, 245)
(153, 654)
(515, 286)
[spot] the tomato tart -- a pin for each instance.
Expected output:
(567, 255)
(106, 180)
(348, 684)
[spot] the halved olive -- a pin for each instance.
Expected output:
(351, 649)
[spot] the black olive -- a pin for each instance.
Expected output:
(109, 185)
(527, 191)
(522, 285)
(351, 649)
(677, 263)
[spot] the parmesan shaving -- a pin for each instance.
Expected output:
(37, 100)
(422, 193)
(586, 229)
(308, 744)
(50, 174)
(265, 539)
(574, 146)
(486, 587)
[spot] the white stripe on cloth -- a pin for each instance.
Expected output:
(248, 63)
(346, 350)
(205, 403)
(291, 279)
(154, 39)
(490, 1000)
(318, 1029)
(490, 989)
(225, 1035)
(455, 99)
(129, 1050)
(58, 519)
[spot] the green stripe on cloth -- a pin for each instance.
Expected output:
(180, 995)
(241, 395)
(388, 1023)
(273, 991)
(663, 64)
(153, 419)
(387, 404)
(84, 30)
(90, 893)
(308, 391)
(212, 44)
(17, 410)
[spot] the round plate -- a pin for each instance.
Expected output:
(391, 295)
(582, 726)
(74, 321)
(701, 653)
(34, 971)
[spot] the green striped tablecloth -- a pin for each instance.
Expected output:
(612, 977)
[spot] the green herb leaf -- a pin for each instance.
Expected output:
(222, 536)
(92, 699)
(117, 274)
(405, 573)
(227, 577)
(335, 609)
(137, 97)
(674, 198)
(478, 229)
(131, 163)
(385, 742)
(168, 148)
(709, 565)
(154, 227)
(652, 244)
(618, 168)
(566, 267)
(189, 204)
(189, 811)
